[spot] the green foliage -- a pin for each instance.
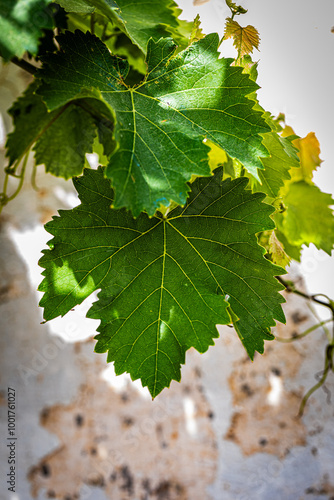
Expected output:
(139, 20)
(160, 123)
(166, 281)
(59, 138)
(304, 222)
(174, 229)
(307, 216)
(277, 166)
(21, 25)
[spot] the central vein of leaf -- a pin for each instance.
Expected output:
(160, 307)
(133, 143)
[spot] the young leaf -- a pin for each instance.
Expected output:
(308, 217)
(277, 166)
(165, 281)
(308, 152)
(276, 250)
(244, 39)
(161, 123)
(21, 25)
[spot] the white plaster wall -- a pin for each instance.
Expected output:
(228, 431)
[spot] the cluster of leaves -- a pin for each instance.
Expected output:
(173, 227)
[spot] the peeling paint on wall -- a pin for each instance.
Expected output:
(126, 445)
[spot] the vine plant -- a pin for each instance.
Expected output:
(199, 201)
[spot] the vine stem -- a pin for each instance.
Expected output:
(289, 287)
(304, 334)
(329, 351)
(327, 368)
(21, 63)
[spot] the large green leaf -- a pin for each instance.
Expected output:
(161, 123)
(165, 281)
(21, 25)
(139, 20)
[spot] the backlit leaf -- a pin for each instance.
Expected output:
(161, 123)
(245, 39)
(308, 217)
(165, 281)
(308, 152)
(157, 19)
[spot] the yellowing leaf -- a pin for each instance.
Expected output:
(276, 250)
(196, 32)
(287, 131)
(244, 39)
(309, 151)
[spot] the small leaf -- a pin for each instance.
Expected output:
(308, 217)
(277, 166)
(309, 151)
(237, 9)
(165, 281)
(183, 99)
(244, 39)
(277, 253)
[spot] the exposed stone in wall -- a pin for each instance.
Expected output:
(127, 445)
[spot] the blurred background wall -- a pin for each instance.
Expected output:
(228, 431)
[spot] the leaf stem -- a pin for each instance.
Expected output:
(4, 198)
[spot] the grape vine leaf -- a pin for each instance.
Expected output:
(292, 251)
(277, 254)
(165, 281)
(21, 25)
(63, 145)
(304, 222)
(277, 167)
(308, 152)
(59, 138)
(139, 20)
(245, 39)
(160, 124)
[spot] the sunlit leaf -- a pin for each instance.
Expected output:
(165, 281)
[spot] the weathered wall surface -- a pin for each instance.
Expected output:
(228, 431)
